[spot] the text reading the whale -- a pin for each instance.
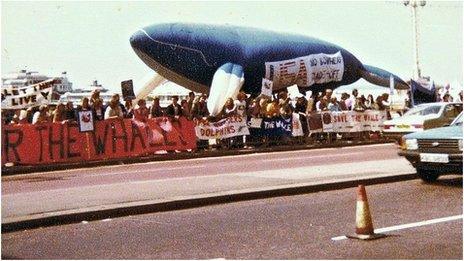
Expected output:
(306, 70)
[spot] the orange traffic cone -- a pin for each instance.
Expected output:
(364, 227)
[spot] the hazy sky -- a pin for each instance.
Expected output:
(90, 40)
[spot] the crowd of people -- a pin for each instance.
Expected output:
(194, 107)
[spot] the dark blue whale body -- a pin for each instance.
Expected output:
(190, 55)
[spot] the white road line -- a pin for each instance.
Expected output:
(317, 156)
(416, 224)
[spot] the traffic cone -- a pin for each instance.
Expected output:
(364, 227)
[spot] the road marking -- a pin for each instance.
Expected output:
(416, 224)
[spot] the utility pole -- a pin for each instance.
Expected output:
(415, 35)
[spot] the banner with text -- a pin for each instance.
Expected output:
(225, 128)
(28, 96)
(306, 70)
(351, 121)
(114, 138)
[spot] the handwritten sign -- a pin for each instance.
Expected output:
(28, 96)
(306, 70)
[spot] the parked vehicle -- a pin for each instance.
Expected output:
(422, 117)
(435, 152)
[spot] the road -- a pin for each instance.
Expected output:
(292, 227)
(124, 187)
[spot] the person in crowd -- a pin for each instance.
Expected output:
(70, 111)
(200, 112)
(185, 109)
(23, 117)
(370, 102)
(97, 110)
(95, 96)
(41, 116)
(141, 111)
(333, 104)
(311, 104)
(113, 110)
(447, 98)
(254, 109)
(174, 110)
(155, 109)
(273, 109)
(358, 105)
(129, 109)
(190, 100)
(328, 94)
(351, 100)
(59, 114)
(263, 103)
(85, 105)
(199, 108)
(15, 119)
(229, 109)
(116, 97)
(240, 104)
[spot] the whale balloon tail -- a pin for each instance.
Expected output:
(381, 77)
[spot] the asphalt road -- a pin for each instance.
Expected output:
(292, 227)
(232, 165)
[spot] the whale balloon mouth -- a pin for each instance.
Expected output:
(138, 41)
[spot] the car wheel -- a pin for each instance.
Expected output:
(428, 175)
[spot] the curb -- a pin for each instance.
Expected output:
(145, 207)
(8, 171)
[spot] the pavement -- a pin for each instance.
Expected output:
(61, 205)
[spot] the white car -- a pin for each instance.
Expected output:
(422, 117)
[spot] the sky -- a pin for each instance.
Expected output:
(90, 40)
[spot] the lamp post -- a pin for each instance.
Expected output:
(414, 4)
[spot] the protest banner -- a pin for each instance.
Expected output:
(30, 144)
(28, 96)
(229, 127)
(351, 121)
(306, 70)
(277, 127)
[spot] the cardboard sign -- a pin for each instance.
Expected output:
(127, 88)
(266, 87)
(86, 122)
(28, 96)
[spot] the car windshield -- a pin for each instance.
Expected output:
(424, 110)
(457, 121)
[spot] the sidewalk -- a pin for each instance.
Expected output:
(71, 205)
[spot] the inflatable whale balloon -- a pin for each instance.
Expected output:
(222, 60)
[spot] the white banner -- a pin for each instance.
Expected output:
(225, 128)
(306, 70)
(352, 121)
(28, 96)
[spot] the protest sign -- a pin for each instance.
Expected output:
(127, 88)
(229, 127)
(86, 122)
(28, 96)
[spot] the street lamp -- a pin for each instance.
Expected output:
(414, 4)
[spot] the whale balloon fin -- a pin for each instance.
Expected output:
(227, 81)
(381, 77)
(155, 81)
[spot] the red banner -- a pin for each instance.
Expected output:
(116, 138)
